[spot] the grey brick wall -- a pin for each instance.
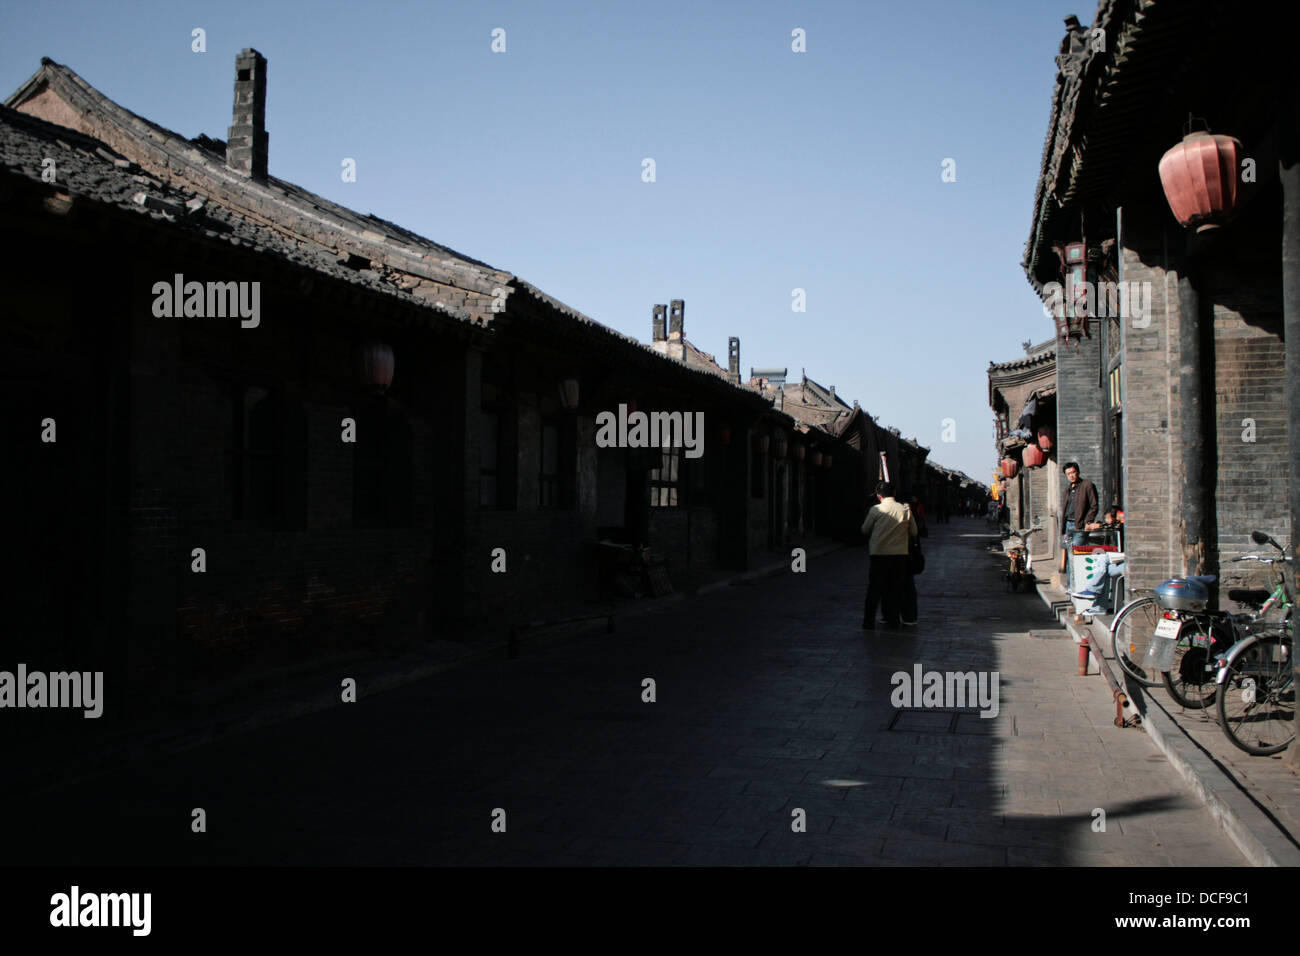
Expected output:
(1150, 414)
(1250, 482)
(1252, 476)
(1079, 405)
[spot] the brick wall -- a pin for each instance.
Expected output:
(1079, 406)
(1250, 479)
(1252, 473)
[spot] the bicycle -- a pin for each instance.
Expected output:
(1201, 638)
(1255, 690)
(1021, 562)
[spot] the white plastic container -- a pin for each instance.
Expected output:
(1160, 653)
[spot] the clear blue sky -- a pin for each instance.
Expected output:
(775, 170)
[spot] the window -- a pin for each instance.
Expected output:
(700, 479)
(497, 456)
(382, 475)
(270, 466)
(548, 481)
(489, 451)
(663, 480)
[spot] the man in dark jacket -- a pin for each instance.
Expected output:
(1078, 509)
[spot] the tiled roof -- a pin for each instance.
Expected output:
(1040, 358)
(88, 170)
(407, 260)
(1101, 105)
(697, 358)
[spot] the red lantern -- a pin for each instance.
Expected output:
(828, 460)
(817, 459)
(1034, 456)
(376, 365)
(1009, 467)
(726, 435)
(1045, 438)
(1200, 179)
(799, 451)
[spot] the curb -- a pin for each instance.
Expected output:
(1261, 841)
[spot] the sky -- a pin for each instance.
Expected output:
(774, 170)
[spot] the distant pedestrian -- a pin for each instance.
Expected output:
(889, 526)
(915, 564)
(918, 512)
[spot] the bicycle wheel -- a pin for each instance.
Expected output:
(1256, 700)
(1131, 633)
(1190, 679)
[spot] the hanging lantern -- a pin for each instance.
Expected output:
(817, 459)
(1009, 467)
(726, 435)
(1199, 176)
(1045, 437)
(799, 451)
(569, 394)
(375, 360)
(1034, 456)
(828, 459)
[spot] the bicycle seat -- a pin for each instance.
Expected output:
(1203, 578)
(1255, 596)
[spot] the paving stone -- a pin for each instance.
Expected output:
(756, 717)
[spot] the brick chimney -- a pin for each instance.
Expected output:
(659, 330)
(677, 320)
(733, 359)
(246, 145)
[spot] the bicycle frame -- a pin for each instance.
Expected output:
(1280, 597)
(1243, 645)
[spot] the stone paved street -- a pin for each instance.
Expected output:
(770, 698)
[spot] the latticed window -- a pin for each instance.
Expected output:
(664, 479)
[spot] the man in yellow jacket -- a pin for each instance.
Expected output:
(888, 528)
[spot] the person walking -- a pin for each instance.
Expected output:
(888, 527)
(1078, 510)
